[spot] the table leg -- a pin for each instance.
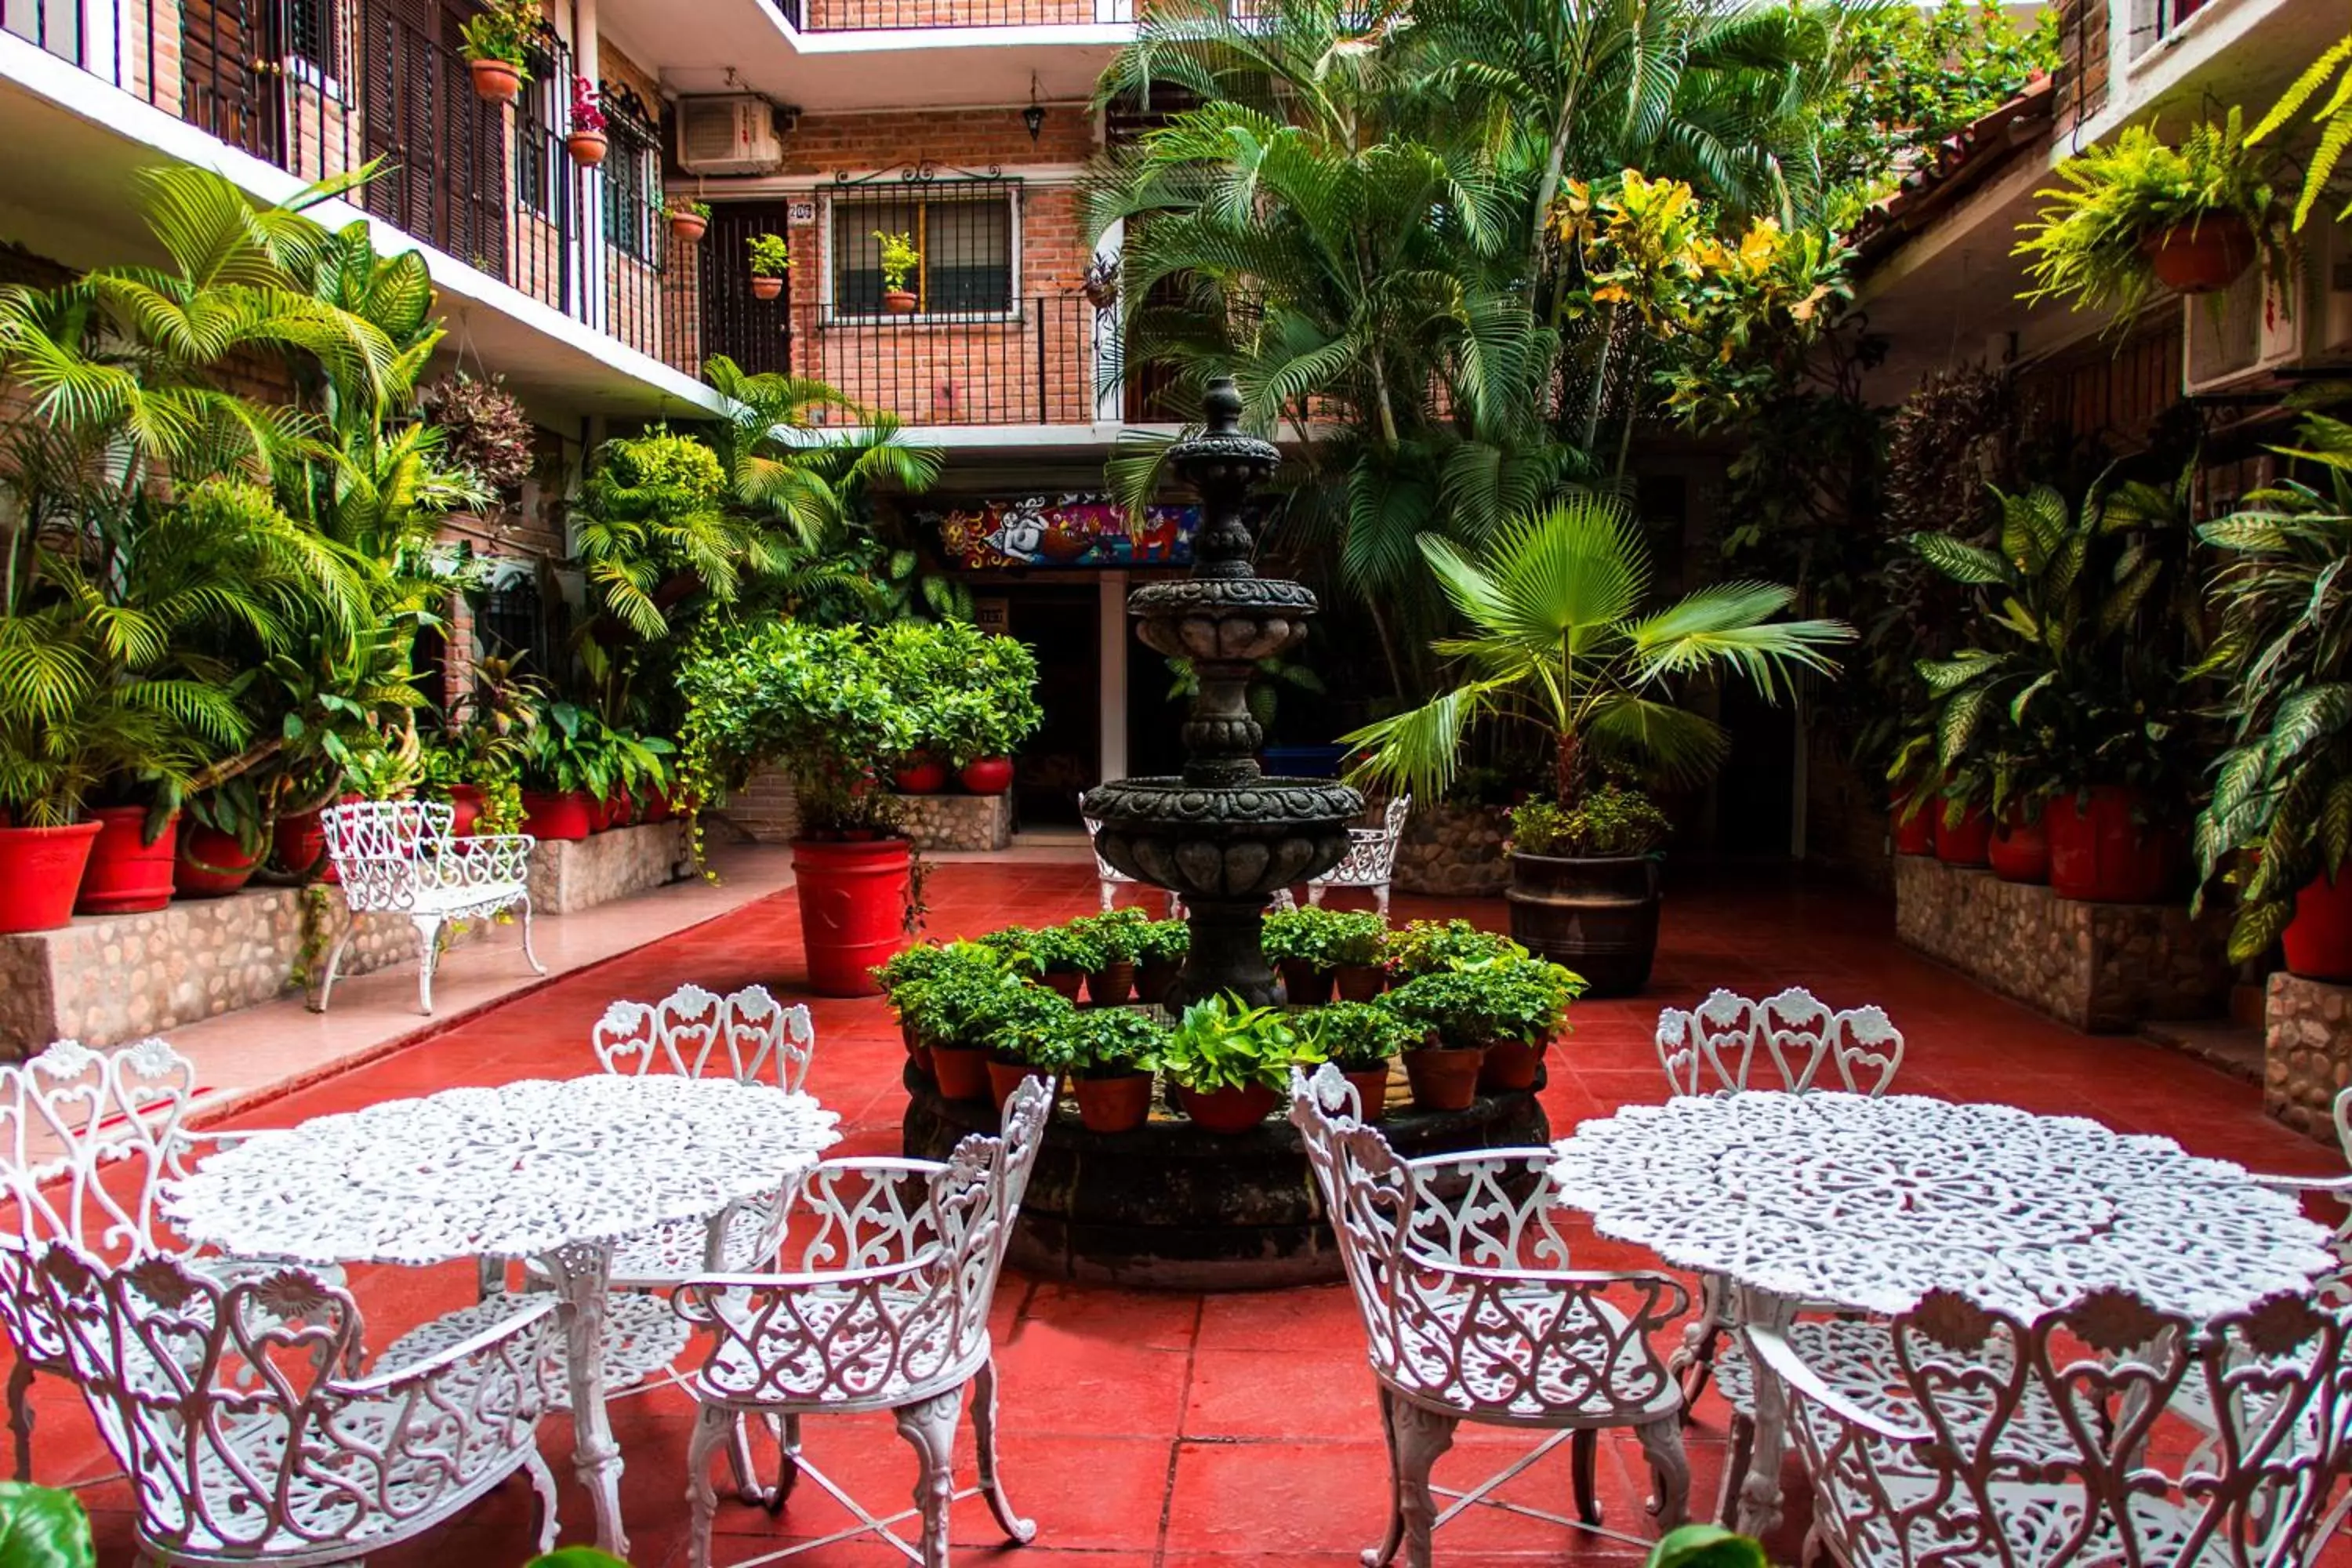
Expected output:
(582, 1275)
(1760, 1495)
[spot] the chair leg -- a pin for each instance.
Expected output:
(1380, 1557)
(1315, 894)
(1669, 1470)
(929, 1425)
(529, 957)
(1422, 1435)
(20, 1416)
(991, 1480)
(1583, 1461)
(1738, 1458)
(748, 1488)
(711, 1427)
(542, 1487)
(1105, 888)
(428, 943)
(787, 1431)
(335, 961)
(1381, 899)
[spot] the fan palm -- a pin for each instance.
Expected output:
(1559, 638)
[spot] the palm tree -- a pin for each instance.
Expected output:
(1560, 639)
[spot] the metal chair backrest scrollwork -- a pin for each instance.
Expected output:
(400, 858)
(1729, 1043)
(1472, 1312)
(692, 1032)
(70, 1116)
(1955, 1463)
(2336, 1287)
(1370, 861)
(240, 1410)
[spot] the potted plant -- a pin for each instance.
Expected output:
(224, 834)
(1229, 1063)
(1558, 630)
(586, 142)
(772, 257)
(924, 961)
(2282, 789)
(1064, 955)
(1360, 1040)
(978, 695)
(1117, 934)
(1436, 947)
(952, 1011)
(1024, 1036)
(1160, 947)
(498, 46)
(689, 220)
(2135, 214)
(131, 859)
(1112, 1053)
(920, 773)
(1296, 942)
(1512, 1006)
(900, 260)
(1356, 942)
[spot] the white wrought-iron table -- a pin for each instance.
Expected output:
(556, 1169)
(1868, 1204)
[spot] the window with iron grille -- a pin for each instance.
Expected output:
(634, 221)
(311, 31)
(539, 158)
(513, 621)
(966, 236)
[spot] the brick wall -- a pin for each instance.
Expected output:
(2082, 60)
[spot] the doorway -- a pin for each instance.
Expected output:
(1063, 758)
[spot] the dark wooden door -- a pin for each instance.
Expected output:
(444, 149)
(233, 73)
(755, 333)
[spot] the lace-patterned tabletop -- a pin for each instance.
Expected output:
(519, 1169)
(1869, 1204)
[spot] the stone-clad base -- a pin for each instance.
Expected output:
(106, 979)
(2101, 967)
(2307, 1052)
(957, 821)
(1453, 852)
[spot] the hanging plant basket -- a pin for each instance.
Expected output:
(496, 81)
(766, 287)
(587, 147)
(688, 225)
(2200, 257)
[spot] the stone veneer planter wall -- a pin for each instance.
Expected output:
(2307, 1052)
(2101, 967)
(1453, 852)
(114, 978)
(766, 812)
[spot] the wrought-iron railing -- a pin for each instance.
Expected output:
(854, 16)
(320, 88)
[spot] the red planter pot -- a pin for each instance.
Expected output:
(127, 875)
(688, 226)
(899, 302)
(1152, 981)
(926, 777)
(1913, 834)
(1304, 985)
(852, 900)
(962, 1072)
(1361, 981)
(2318, 941)
(298, 845)
(1965, 844)
(211, 864)
(2099, 854)
(1110, 986)
(2020, 852)
(988, 775)
(1227, 1110)
(1509, 1065)
(2202, 257)
(587, 147)
(569, 816)
(1119, 1104)
(465, 810)
(40, 873)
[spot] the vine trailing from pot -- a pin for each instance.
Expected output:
(1562, 638)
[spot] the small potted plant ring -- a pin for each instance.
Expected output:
(1448, 1014)
(1360, 1040)
(496, 48)
(1113, 1052)
(1118, 934)
(1229, 1063)
(1064, 956)
(1528, 1009)
(900, 260)
(586, 141)
(1160, 950)
(688, 220)
(953, 1007)
(1357, 949)
(772, 257)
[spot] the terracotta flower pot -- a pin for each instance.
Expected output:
(1004, 1078)
(2200, 257)
(2020, 852)
(1109, 986)
(1152, 981)
(924, 777)
(1068, 982)
(1361, 981)
(1371, 1090)
(587, 147)
(1119, 1104)
(1915, 831)
(899, 302)
(2318, 941)
(569, 816)
(2099, 854)
(1304, 985)
(211, 864)
(916, 1052)
(127, 875)
(40, 871)
(766, 287)
(1443, 1078)
(1511, 1065)
(852, 900)
(963, 1071)
(1227, 1110)
(988, 775)
(689, 227)
(1963, 845)
(495, 81)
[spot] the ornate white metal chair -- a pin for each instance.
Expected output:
(86, 1139)
(250, 1429)
(1473, 1312)
(1371, 857)
(884, 1308)
(2051, 1443)
(399, 858)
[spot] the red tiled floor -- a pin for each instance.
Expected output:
(1177, 1431)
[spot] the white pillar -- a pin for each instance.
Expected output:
(1110, 398)
(588, 239)
(1111, 608)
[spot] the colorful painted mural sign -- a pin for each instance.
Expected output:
(1065, 530)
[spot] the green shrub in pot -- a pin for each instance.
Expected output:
(1230, 1062)
(1110, 1054)
(1360, 1039)
(1160, 947)
(1464, 1016)
(1610, 820)
(1064, 955)
(1118, 933)
(1432, 947)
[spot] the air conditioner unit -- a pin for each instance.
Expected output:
(735, 134)
(2261, 324)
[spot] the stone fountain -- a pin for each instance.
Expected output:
(1221, 834)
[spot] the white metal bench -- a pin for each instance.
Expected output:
(399, 858)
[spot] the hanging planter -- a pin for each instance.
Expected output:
(587, 147)
(689, 221)
(770, 259)
(496, 81)
(2203, 256)
(586, 142)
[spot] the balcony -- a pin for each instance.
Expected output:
(885, 16)
(320, 88)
